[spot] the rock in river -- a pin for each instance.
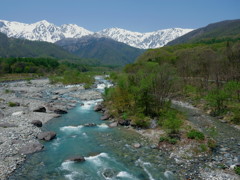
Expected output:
(47, 136)
(37, 123)
(90, 125)
(77, 159)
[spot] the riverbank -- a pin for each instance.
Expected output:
(21, 103)
(195, 159)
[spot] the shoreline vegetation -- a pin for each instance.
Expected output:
(206, 74)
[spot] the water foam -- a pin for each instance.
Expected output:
(103, 125)
(97, 160)
(124, 174)
(71, 129)
(142, 164)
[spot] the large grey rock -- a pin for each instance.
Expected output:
(77, 159)
(31, 148)
(47, 136)
(113, 124)
(37, 123)
(40, 109)
(98, 107)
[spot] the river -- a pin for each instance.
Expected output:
(109, 152)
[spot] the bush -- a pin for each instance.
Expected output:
(168, 140)
(141, 121)
(12, 104)
(171, 121)
(194, 134)
(237, 170)
(211, 143)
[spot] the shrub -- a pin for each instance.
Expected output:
(237, 170)
(141, 121)
(168, 140)
(194, 134)
(211, 143)
(12, 104)
(171, 121)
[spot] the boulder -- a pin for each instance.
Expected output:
(37, 123)
(123, 122)
(113, 124)
(137, 145)
(77, 159)
(98, 107)
(31, 148)
(47, 136)
(105, 117)
(40, 109)
(90, 125)
(60, 111)
(6, 125)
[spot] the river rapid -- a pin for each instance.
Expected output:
(109, 152)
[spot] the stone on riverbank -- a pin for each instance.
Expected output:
(37, 123)
(60, 111)
(98, 107)
(7, 125)
(47, 136)
(31, 148)
(40, 109)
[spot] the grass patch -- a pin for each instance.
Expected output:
(237, 170)
(194, 134)
(168, 140)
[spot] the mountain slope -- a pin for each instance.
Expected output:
(144, 40)
(11, 47)
(229, 28)
(45, 31)
(106, 50)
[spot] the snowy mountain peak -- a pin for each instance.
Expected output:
(46, 31)
(144, 40)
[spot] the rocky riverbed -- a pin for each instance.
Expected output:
(23, 102)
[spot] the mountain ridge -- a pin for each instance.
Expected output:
(46, 31)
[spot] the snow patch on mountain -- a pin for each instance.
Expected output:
(144, 40)
(45, 31)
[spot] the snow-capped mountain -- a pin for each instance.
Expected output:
(42, 31)
(45, 31)
(144, 40)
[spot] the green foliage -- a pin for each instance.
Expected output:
(203, 147)
(11, 47)
(171, 120)
(237, 170)
(74, 77)
(194, 134)
(12, 104)
(140, 120)
(168, 139)
(236, 117)
(7, 91)
(211, 143)
(217, 100)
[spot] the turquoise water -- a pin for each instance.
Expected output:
(108, 152)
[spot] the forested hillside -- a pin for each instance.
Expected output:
(220, 31)
(11, 47)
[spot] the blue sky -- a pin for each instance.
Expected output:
(134, 15)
